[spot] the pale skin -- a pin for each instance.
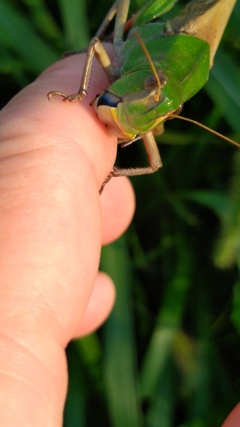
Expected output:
(53, 160)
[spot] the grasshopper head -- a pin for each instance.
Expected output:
(106, 104)
(133, 105)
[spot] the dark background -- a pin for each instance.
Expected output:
(169, 353)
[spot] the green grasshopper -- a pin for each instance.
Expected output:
(156, 69)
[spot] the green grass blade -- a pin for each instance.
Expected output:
(18, 35)
(168, 321)
(218, 202)
(156, 359)
(75, 408)
(43, 20)
(160, 413)
(224, 88)
(227, 249)
(75, 22)
(153, 9)
(119, 342)
(235, 316)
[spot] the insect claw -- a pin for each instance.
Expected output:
(110, 175)
(67, 98)
(56, 93)
(75, 96)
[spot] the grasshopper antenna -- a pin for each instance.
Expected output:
(219, 135)
(146, 53)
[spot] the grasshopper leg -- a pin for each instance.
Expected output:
(95, 48)
(154, 160)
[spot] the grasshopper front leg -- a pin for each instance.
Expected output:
(96, 48)
(154, 160)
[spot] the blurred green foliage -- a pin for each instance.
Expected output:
(168, 355)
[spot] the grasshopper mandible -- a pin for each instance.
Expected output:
(156, 69)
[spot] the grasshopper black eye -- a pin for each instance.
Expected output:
(108, 99)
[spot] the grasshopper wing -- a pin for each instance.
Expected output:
(203, 19)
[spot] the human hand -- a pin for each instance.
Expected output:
(53, 160)
(54, 157)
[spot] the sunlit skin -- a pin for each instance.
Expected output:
(54, 158)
